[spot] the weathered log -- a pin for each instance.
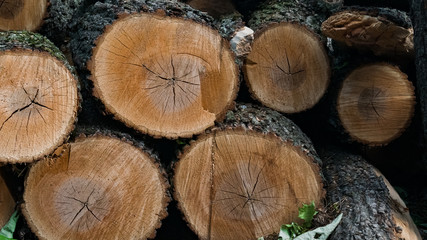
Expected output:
(159, 69)
(419, 17)
(97, 187)
(7, 204)
(288, 68)
(248, 176)
(39, 97)
(376, 103)
(383, 31)
(371, 207)
(22, 14)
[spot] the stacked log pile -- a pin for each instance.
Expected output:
(115, 114)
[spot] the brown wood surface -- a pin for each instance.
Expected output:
(98, 187)
(22, 14)
(376, 103)
(7, 204)
(288, 68)
(164, 76)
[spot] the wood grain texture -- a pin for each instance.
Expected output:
(39, 97)
(243, 180)
(22, 14)
(98, 187)
(376, 103)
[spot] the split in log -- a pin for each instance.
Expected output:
(383, 31)
(376, 103)
(7, 204)
(165, 76)
(371, 207)
(39, 97)
(246, 178)
(288, 69)
(22, 14)
(98, 187)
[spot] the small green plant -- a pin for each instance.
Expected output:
(294, 231)
(6, 233)
(306, 213)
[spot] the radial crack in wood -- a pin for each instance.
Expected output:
(237, 184)
(376, 103)
(100, 187)
(38, 104)
(173, 87)
(22, 14)
(288, 68)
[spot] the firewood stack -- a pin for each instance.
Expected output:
(112, 110)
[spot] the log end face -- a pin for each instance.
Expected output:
(85, 192)
(37, 103)
(376, 104)
(287, 75)
(235, 178)
(157, 83)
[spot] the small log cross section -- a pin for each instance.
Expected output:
(376, 103)
(38, 104)
(288, 68)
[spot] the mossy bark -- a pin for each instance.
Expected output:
(31, 41)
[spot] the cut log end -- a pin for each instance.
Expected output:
(38, 106)
(243, 184)
(172, 88)
(100, 187)
(288, 68)
(22, 14)
(376, 103)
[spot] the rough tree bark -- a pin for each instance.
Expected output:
(39, 97)
(246, 177)
(371, 207)
(419, 17)
(97, 187)
(157, 67)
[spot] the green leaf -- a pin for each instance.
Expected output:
(7, 231)
(261, 238)
(285, 233)
(322, 233)
(306, 213)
